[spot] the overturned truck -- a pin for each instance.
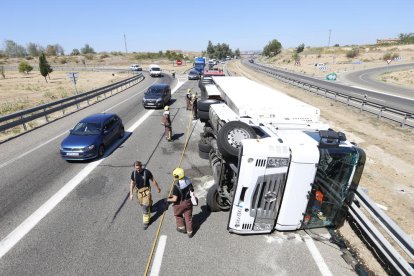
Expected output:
(275, 165)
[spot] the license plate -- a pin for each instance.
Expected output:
(150, 103)
(72, 154)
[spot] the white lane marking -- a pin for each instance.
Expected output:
(30, 151)
(156, 264)
(317, 257)
(381, 92)
(17, 234)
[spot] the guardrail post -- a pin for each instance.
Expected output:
(63, 110)
(24, 124)
(47, 119)
(380, 112)
(347, 101)
(404, 120)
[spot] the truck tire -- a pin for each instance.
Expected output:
(204, 147)
(203, 155)
(214, 202)
(204, 105)
(230, 135)
(203, 116)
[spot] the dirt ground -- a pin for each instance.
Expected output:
(389, 170)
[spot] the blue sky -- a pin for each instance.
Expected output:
(189, 25)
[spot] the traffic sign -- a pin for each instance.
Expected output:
(73, 76)
(389, 61)
(331, 76)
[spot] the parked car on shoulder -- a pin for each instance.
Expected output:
(157, 95)
(92, 136)
(135, 67)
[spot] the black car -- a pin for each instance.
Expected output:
(193, 75)
(157, 95)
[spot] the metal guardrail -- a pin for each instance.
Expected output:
(339, 93)
(400, 264)
(22, 117)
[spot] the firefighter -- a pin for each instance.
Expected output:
(194, 106)
(188, 99)
(181, 198)
(140, 184)
(166, 122)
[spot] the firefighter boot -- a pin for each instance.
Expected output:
(146, 218)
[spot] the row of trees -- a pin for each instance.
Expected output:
(12, 49)
(406, 38)
(220, 51)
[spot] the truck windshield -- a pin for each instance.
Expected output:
(330, 190)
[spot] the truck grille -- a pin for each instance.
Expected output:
(267, 197)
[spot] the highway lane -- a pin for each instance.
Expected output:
(34, 175)
(368, 79)
(97, 230)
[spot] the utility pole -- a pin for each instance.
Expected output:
(126, 49)
(329, 39)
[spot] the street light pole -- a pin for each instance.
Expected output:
(329, 39)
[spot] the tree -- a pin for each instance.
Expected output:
(300, 48)
(237, 52)
(406, 38)
(12, 49)
(25, 67)
(2, 71)
(44, 66)
(34, 49)
(272, 49)
(59, 50)
(210, 49)
(87, 50)
(75, 52)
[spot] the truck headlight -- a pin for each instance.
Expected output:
(277, 162)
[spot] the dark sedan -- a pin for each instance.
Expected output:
(193, 75)
(91, 136)
(157, 95)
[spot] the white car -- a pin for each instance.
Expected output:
(135, 67)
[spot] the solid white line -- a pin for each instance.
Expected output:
(17, 234)
(317, 257)
(381, 92)
(156, 264)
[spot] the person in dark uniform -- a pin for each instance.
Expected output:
(140, 184)
(188, 99)
(166, 122)
(194, 106)
(181, 197)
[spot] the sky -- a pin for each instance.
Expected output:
(152, 26)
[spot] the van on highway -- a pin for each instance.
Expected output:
(155, 70)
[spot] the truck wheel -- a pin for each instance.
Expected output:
(203, 155)
(204, 105)
(204, 147)
(203, 116)
(230, 135)
(214, 202)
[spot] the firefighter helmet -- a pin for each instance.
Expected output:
(178, 173)
(166, 108)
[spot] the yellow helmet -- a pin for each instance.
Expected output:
(188, 90)
(178, 174)
(166, 108)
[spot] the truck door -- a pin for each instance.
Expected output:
(258, 193)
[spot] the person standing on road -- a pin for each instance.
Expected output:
(183, 208)
(188, 99)
(140, 184)
(166, 122)
(194, 106)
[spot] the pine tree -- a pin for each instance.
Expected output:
(44, 66)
